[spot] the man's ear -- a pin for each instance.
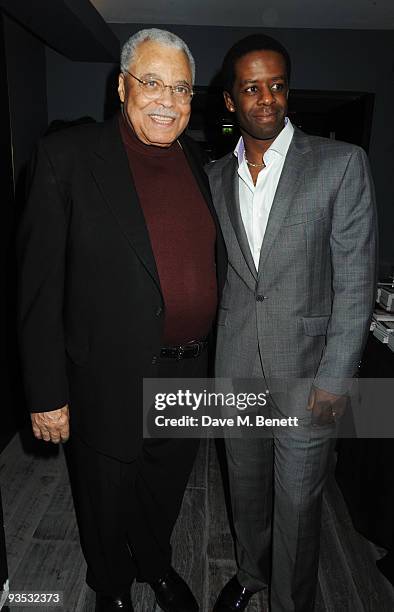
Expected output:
(121, 88)
(229, 102)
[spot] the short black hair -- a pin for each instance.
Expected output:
(254, 42)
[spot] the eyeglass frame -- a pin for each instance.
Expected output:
(171, 87)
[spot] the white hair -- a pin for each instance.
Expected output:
(160, 36)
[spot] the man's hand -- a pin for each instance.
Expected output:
(326, 407)
(51, 426)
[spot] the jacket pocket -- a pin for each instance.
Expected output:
(315, 326)
(306, 216)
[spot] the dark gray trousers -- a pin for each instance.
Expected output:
(276, 487)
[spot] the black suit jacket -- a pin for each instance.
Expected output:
(91, 310)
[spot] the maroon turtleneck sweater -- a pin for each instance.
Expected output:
(182, 235)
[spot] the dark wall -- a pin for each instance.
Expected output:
(24, 88)
(26, 72)
(323, 59)
(77, 89)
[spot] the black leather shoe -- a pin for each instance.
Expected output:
(106, 603)
(173, 594)
(233, 597)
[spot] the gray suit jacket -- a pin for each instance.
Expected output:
(308, 306)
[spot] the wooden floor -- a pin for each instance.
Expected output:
(44, 553)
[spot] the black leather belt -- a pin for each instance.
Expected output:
(184, 351)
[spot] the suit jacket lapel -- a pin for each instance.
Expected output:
(293, 170)
(231, 196)
(112, 173)
(196, 167)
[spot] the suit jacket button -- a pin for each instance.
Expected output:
(154, 359)
(260, 298)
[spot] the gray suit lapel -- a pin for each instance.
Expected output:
(293, 170)
(231, 195)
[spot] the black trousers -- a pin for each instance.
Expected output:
(126, 511)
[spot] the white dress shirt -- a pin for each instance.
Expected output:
(256, 200)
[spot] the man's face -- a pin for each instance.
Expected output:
(156, 122)
(259, 95)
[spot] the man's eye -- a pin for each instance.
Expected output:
(181, 90)
(278, 87)
(253, 89)
(152, 84)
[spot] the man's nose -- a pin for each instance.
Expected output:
(167, 96)
(266, 96)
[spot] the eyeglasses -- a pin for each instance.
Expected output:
(154, 89)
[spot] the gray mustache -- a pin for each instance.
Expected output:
(164, 113)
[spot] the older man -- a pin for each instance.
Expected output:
(120, 263)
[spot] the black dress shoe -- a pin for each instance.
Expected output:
(233, 597)
(173, 594)
(106, 603)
